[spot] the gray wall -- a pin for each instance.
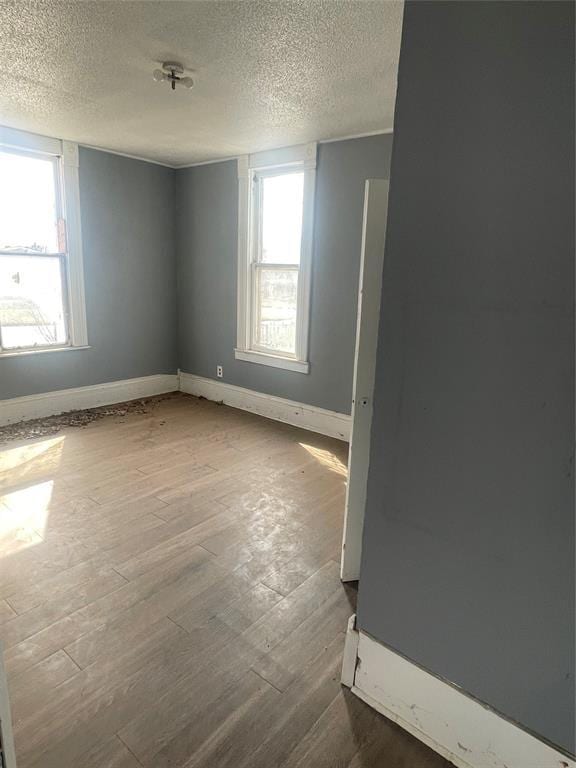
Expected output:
(207, 257)
(136, 217)
(130, 281)
(468, 560)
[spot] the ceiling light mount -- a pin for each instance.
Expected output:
(172, 72)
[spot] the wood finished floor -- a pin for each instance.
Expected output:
(169, 596)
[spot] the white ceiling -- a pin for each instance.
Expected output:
(268, 74)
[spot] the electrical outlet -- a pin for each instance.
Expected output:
(219, 371)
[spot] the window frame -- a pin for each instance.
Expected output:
(251, 169)
(65, 157)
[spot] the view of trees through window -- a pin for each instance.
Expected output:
(276, 325)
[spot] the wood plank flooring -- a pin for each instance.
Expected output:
(169, 596)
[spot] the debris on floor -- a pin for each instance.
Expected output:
(51, 425)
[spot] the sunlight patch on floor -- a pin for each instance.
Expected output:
(326, 458)
(11, 458)
(24, 510)
(24, 514)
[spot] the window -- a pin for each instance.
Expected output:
(41, 279)
(276, 202)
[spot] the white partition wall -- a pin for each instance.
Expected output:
(370, 288)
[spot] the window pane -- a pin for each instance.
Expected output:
(276, 300)
(282, 202)
(28, 211)
(31, 305)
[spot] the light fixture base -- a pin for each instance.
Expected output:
(173, 66)
(172, 73)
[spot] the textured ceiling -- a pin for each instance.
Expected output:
(268, 74)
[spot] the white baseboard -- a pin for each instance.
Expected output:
(350, 656)
(308, 417)
(52, 403)
(458, 727)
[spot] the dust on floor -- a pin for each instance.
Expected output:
(51, 425)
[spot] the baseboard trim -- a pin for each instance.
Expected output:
(80, 398)
(52, 403)
(458, 727)
(307, 417)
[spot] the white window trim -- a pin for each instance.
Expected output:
(67, 151)
(301, 157)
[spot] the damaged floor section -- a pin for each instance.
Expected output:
(51, 425)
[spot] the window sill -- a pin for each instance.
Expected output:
(288, 363)
(25, 352)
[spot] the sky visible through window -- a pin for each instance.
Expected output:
(282, 218)
(31, 292)
(28, 213)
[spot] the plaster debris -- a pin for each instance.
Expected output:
(51, 425)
